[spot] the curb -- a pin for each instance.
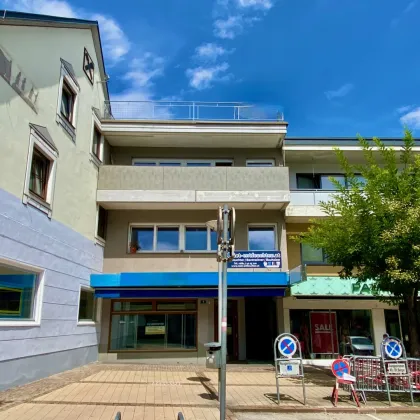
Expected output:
(342, 410)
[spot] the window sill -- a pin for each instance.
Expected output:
(68, 127)
(38, 203)
(99, 241)
(87, 323)
(20, 324)
(95, 160)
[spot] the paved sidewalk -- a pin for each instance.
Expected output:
(99, 391)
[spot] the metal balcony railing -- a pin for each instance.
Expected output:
(191, 111)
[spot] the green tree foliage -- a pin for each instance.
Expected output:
(372, 227)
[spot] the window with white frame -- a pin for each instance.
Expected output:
(262, 238)
(68, 99)
(40, 170)
(20, 294)
(183, 162)
(171, 238)
(87, 305)
(259, 163)
(102, 223)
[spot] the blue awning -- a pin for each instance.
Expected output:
(187, 284)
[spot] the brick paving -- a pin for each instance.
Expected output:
(159, 392)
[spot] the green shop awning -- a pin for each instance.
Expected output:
(332, 286)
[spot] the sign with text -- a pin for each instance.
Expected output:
(324, 332)
(397, 369)
(256, 259)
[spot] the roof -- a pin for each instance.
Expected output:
(8, 14)
(21, 18)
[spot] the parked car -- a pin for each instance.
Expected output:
(360, 346)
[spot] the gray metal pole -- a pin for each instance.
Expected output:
(219, 310)
(222, 390)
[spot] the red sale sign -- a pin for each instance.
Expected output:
(324, 332)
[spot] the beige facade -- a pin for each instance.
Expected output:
(74, 201)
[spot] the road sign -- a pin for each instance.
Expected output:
(393, 348)
(290, 369)
(340, 367)
(287, 346)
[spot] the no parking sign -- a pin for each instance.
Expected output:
(287, 346)
(393, 348)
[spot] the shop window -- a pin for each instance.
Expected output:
(87, 305)
(19, 295)
(392, 322)
(262, 238)
(163, 326)
(344, 331)
(311, 255)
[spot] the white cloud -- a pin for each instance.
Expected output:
(403, 109)
(412, 118)
(340, 92)
(228, 28)
(144, 69)
(115, 42)
(257, 4)
(210, 52)
(203, 77)
(410, 6)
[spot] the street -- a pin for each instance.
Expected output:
(324, 416)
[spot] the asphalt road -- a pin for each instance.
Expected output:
(321, 416)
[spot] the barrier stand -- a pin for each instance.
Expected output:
(395, 366)
(288, 361)
(341, 370)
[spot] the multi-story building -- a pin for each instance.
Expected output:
(354, 310)
(167, 177)
(51, 88)
(111, 200)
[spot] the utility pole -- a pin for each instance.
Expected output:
(226, 252)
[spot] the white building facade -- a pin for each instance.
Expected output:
(50, 89)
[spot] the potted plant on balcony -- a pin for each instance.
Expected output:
(134, 248)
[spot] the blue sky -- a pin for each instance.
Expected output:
(334, 67)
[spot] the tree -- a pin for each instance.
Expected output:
(372, 227)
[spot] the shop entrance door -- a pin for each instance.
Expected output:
(232, 329)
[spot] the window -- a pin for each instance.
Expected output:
(87, 305)
(258, 163)
(40, 170)
(20, 295)
(322, 181)
(67, 99)
(167, 238)
(88, 66)
(102, 223)
(96, 143)
(182, 162)
(170, 238)
(262, 238)
(153, 326)
(312, 255)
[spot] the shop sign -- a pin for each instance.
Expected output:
(256, 259)
(324, 332)
(155, 328)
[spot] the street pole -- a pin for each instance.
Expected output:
(219, 310)
(223, 304)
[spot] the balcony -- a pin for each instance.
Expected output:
(134, 187)
(192, 124)
(304, 204)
